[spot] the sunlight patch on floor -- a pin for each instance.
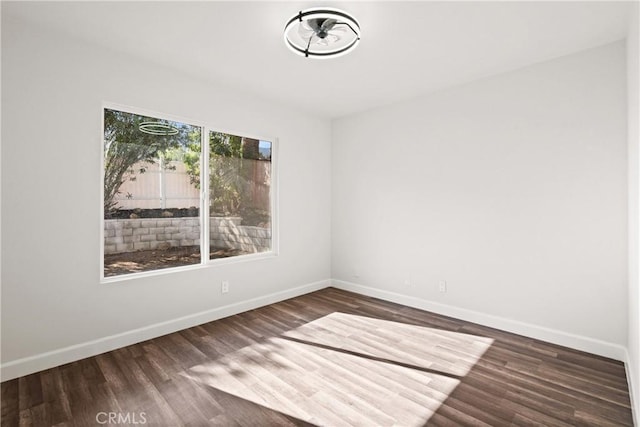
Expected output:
(344, 369)
(439, 350)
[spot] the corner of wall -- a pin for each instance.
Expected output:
(633, 87)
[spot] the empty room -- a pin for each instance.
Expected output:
(421, 213)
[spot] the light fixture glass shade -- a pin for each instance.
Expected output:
(321, 33)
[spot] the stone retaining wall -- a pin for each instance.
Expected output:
(128, 235)
(226, 232)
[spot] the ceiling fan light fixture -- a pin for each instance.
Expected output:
(322, 33)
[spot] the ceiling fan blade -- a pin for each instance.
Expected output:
(328, 24)
(315, 24)
(339, 29)
(330, 39)
(305, 33)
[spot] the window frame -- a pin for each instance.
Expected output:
(204, 213)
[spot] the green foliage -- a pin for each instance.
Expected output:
(191, 158)
(126, 147)
(128, 152)
(225, 180)
(228, 183)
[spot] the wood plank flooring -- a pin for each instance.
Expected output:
(328, 358)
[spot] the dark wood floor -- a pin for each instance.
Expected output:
(328, 358)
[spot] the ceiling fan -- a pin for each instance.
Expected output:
(322, 32)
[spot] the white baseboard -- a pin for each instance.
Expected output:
(633, 390)
(50, 359)
(578, 342)
(39, 362)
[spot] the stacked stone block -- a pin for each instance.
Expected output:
(128, 235)
(228, 233)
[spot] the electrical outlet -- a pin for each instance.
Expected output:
(442, 286)
(224, 288)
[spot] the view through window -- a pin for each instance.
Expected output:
(239, 195)
(153, 186)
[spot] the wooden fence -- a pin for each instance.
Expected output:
(169, 187)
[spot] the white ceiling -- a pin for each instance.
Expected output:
(407, 49)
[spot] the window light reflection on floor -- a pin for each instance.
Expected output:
(345, 369)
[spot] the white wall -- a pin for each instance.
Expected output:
(633, 73)
(512, 189)
(52, 93)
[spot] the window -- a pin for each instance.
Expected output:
(168, 184)
(239, 195)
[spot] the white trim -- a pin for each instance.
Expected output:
(633, 393)
(578, 342)
(50, 359)
(205, 221)
(101, 222)
(274, 189)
